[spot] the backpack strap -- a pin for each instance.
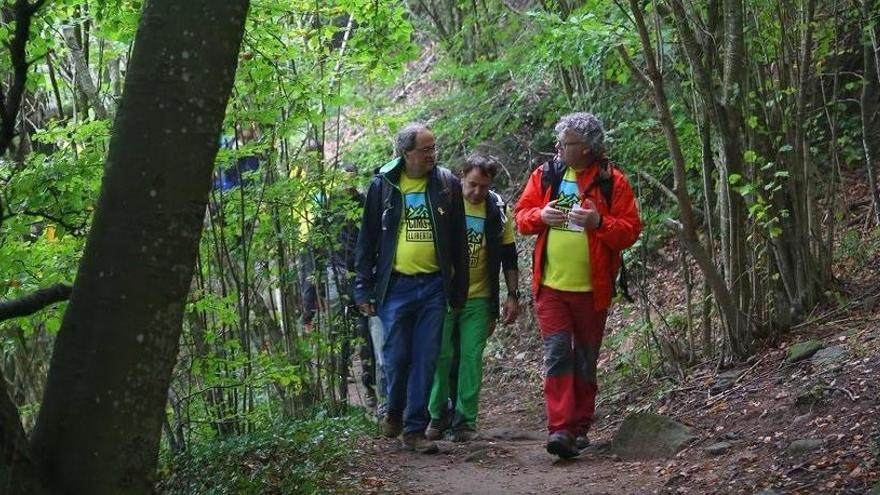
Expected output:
(604, 180)
(551, 177)
(494, 202)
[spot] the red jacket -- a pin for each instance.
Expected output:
(620, 227)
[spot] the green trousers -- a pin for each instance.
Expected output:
(473, 322)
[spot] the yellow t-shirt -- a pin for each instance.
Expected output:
(568, 249)
(475, 217)
(415, 238)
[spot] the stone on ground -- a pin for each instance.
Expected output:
(718, 448)
(804, 445)
(802, 350)
(724, 381)
(649, 436)
(829, 356)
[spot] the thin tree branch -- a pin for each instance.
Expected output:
(34, 302)
(635, 69)
(69, 226)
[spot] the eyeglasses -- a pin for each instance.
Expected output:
(560, 145)
(427, 150)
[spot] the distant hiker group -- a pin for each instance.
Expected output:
(431, 249)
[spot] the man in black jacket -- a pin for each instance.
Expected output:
(411, 263)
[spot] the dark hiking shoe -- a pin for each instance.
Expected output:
(561, 444)
(581, 442)
(464, 434)
(418, 443)
(391, 425)
(436, 428)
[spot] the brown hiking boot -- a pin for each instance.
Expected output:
(562, 444)
(581, 442)
(418, 443)
(391, 425)
(435, 429)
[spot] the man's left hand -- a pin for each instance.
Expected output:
(588, 216)
(511, 310)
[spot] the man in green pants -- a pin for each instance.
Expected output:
(490, 247)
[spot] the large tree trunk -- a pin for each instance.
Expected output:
(99, 426)
(870, 105)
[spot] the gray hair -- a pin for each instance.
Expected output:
(406, 137)
(587, 127)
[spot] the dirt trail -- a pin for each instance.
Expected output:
(772, 406)
(514, 464)
(508, 458)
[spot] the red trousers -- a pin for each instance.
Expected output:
(572, 332)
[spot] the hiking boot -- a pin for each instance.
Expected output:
(436, 428)
(561, 444)
(581, 442)
(391, 425)
(464, 434)
(418, 443)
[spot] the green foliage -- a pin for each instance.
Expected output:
(296, 457)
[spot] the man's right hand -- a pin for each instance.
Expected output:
(367, 309)
(551, 216)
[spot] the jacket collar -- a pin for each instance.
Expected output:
(394, 168)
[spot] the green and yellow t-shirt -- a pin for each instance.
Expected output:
(415, 238)
(568, 249)
(475, 218)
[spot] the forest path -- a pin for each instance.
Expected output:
(506, 461)
(811, 426)
(509, 457)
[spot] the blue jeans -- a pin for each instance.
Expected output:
(412, 315)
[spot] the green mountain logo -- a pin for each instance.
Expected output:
(420, 211)
(567, 200)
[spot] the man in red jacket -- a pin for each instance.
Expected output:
(583, 210)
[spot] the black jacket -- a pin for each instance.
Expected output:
(497, 254)
(377, 242)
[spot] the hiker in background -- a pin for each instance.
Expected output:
(411, 263)
(228, 177)
(329, 287)
(490, 247)
(346, 206)
(582, 208)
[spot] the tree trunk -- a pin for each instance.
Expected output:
(871, 105)
(735, 321)
(83, 78)
(99, 426)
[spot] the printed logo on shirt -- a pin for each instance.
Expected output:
(475, 228)
(568, 197)
(418, 222)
